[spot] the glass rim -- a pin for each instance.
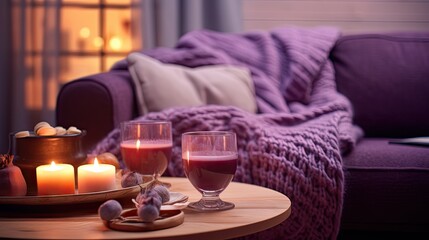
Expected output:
(145, 122)
(208, 133)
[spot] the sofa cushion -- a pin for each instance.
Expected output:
(386, 77)
(386, 187)
(160, 86)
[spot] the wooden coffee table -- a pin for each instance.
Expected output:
(256, 209)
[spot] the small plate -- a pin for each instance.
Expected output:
(176, 197)
(176, 206)
(130, 222)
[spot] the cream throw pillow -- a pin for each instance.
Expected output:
(160, 86)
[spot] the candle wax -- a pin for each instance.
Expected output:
(96, 177)
(55, 179)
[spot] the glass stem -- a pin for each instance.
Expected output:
(211, 200)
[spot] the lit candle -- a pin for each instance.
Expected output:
(55, 179)
(96, 177)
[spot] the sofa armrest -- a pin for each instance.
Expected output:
(96, 104)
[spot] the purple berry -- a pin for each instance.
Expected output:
(151, 198)
(148, 193)
(130, 179)
(154, 194)
(148, 213)
(153, 201)
(109, 210)
(163, 192)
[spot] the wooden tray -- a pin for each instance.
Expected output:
(130, 222)
(73, 198)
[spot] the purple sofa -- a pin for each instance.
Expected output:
(385, 76)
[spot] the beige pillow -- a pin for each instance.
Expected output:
(160, 86)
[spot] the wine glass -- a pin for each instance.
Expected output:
(210, 160)
(146, 147)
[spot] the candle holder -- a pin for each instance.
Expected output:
(33, 151)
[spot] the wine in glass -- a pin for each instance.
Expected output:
(210, 160)
(146, 147)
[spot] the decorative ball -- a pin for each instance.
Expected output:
(148, 212)
(130, 179)
(109, 210)
(163, 192)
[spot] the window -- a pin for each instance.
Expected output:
(56, 41)
(94, 35)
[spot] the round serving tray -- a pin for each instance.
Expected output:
(118, 193)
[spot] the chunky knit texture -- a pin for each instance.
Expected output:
(295, 144)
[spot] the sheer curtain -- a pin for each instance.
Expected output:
(30, 48)
(5, 73)
(30, 69)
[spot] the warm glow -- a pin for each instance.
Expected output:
(187, 156)
(96, 163)
(115, 43)
(87, 47)
(138, 144)
(98, 42)
(84, 32)
(53, 166)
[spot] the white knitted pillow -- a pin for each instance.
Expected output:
(160, 86)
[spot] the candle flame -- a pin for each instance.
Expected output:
(138, 144)
(96, 163)
(53, 166)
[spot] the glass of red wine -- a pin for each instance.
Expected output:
(146, 147)
(210, 160)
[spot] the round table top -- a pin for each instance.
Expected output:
(256, 209)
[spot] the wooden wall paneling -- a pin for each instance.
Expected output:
(350, 16)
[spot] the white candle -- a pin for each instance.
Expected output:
(55, 179)
(96, 177)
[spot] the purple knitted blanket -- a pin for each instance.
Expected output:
(295, 144)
